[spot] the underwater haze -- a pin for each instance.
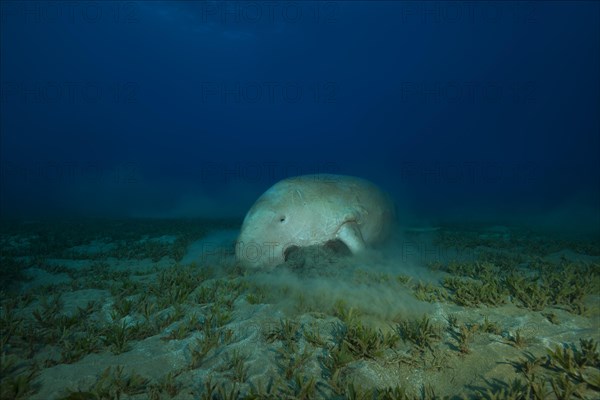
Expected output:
(447, 245)
(182, 108)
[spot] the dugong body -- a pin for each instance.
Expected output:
(313, 210)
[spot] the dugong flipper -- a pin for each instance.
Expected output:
(313, 210)
(349, 233)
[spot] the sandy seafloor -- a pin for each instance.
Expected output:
(159, 309)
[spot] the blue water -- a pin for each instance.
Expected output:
(135, 137)
(460, 110)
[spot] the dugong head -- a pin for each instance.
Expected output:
(309, 210)
(278, 221)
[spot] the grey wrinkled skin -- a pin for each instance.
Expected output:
(313, 210)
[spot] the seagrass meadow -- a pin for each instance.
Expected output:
(160, 309)
(211, 200)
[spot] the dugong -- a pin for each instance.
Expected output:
(313, 210)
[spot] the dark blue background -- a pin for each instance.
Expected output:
(461, 110)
